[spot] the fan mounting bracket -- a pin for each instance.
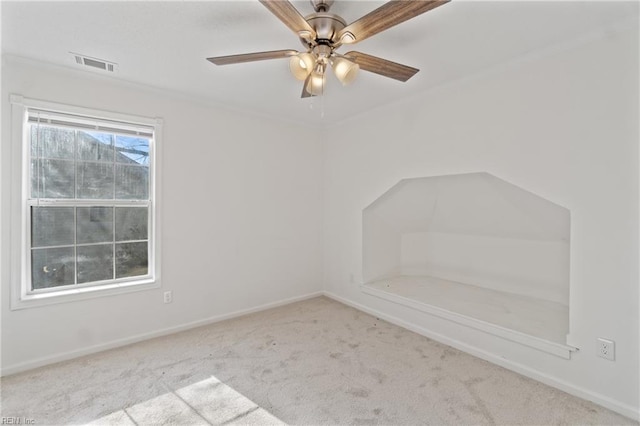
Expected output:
(321, 5)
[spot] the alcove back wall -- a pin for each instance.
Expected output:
(472, 228)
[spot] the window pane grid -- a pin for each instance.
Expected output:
(84, 161)
(129, 256)
(75, 249)
(52, 247)
(58, 153)
(116, 282)
(84, 202)
(68, 172)
(113, 194)
(113, 252)
(88, 244)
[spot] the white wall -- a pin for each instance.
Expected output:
(381, 245)
(241, 218)
(563, 125)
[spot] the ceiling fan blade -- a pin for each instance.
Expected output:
(382, 66)
(290, 16)
(251, 57)
(386, 16)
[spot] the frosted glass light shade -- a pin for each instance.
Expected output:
(345, 70)
(315, 86)
(301, 65)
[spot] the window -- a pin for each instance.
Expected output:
(88, 202)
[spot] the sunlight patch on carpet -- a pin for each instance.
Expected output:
(207, 401)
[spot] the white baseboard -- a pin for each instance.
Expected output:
(65, 356)
(605, 401)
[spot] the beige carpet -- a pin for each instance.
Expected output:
(313, 362)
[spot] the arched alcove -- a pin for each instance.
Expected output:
(475, 249)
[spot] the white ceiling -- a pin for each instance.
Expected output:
(164, 45)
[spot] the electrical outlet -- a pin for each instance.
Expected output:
(606, 349)
(168, 297)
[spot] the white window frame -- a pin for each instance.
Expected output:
(21, 294)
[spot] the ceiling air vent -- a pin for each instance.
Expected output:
(100, 64)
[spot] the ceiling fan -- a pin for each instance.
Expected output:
(322, 33)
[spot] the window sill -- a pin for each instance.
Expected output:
(64, 296)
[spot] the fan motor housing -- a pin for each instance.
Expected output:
(326, 26)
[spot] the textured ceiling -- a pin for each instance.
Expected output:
(164, 45)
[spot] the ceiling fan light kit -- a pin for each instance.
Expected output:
(344, 69)
(301, 65)
(322, 33)
(316, 80)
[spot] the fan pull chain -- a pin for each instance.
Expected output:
(313, 106)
